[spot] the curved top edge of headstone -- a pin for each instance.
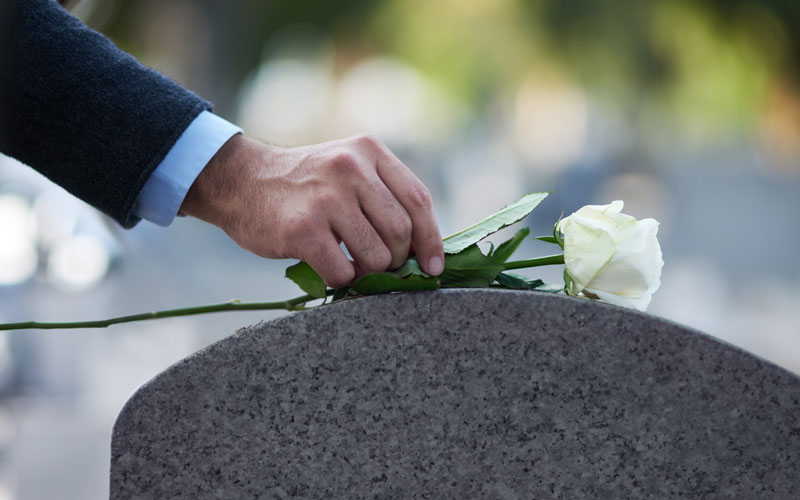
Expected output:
(544, 301)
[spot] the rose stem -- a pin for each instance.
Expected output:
(234, 305)
(541, 261)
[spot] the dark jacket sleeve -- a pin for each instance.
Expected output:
(84, 113)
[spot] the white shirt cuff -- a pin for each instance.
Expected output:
(163, 193)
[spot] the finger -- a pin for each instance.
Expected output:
(416, 200)
(388, 218)
(322, 252)
(362, 241)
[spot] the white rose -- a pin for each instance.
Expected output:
(611, 256)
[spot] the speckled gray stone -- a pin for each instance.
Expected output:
(463, 394)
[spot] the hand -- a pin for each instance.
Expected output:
(302, 202)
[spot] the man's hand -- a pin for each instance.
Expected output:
(302, 202)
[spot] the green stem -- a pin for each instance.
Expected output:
(541, 261)
(234, 305)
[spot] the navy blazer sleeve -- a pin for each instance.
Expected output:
(84, 113)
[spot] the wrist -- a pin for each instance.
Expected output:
(209, 197)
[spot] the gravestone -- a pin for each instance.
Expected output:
(463, 394)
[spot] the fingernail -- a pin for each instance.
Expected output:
(435, 266)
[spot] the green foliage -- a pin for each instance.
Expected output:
(340, 293)
(537, 283)
(707, 63)
(307, 279)
(411, 266)
(375, 283)
(508, 215)
(513, 281)
(510, 246)
(517, 282)
(547, 239)
(469, 268)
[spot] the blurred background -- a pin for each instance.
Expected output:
(689, 110)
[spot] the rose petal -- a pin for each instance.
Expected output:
(586, 251)
(638, 302)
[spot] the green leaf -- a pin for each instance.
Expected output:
(512, 281)
(547, 239)
(307, 279)
(505, 217)
(507, 248)
(340, 293)
(518, 282)
(537, 283)
(411, 266)
(469, 268)
(375, 283)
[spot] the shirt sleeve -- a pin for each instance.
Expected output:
(163, 193)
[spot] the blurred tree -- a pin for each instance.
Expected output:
(708, 63)
(239, 30)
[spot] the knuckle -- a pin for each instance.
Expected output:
(345, 162)
(370, 252)
(402, 228)
(420, 197)
(369, 141)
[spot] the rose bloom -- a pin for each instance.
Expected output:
(611, 256)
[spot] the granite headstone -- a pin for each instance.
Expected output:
(463, 394)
